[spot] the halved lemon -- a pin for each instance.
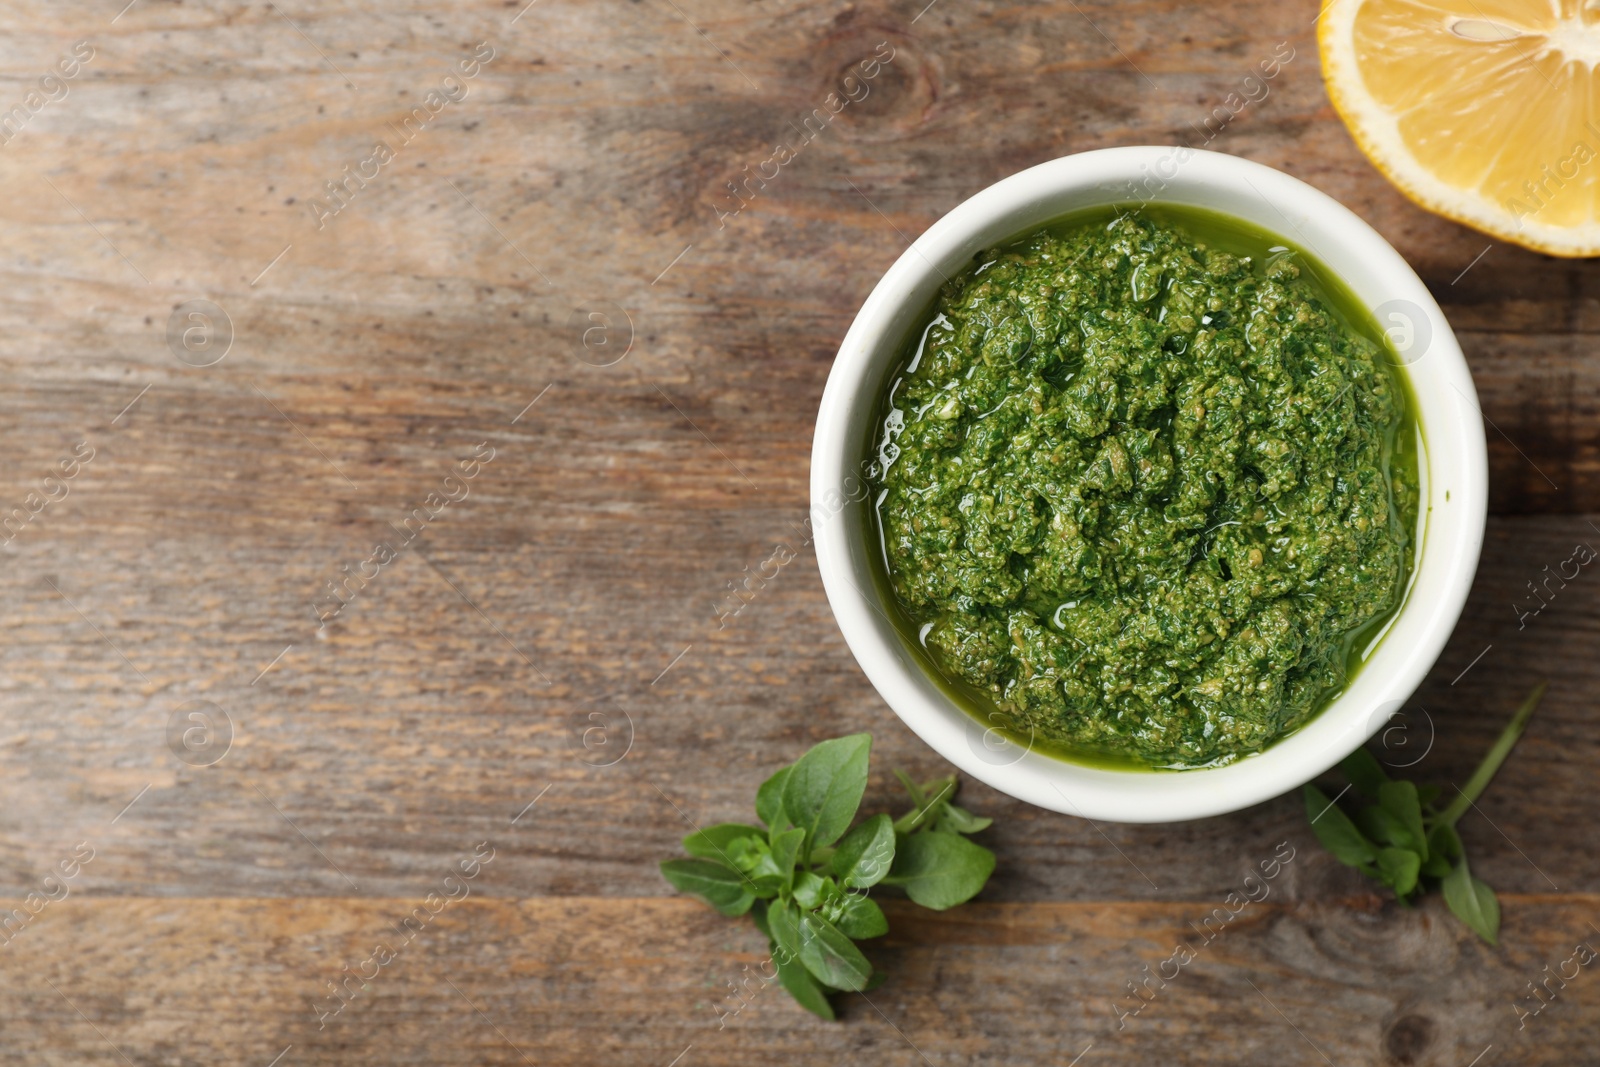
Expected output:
(1484, 111)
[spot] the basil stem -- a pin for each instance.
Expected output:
(1491, 762)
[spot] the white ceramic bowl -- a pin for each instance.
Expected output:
(1454, 491)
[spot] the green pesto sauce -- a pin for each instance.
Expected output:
(1146, 486)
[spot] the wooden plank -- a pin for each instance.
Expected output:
(585, 980)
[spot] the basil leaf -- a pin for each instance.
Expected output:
(1443, 846)
(808, 890)
(860, 917)
(722, 887)
(1444, 841)
(758, 915)
(769, 800)
(716, 842)
(931, 797)
(939, 871)
(1472, 901)
(754, 858)
(1400, 799)
(784, 922)
(802, 987)
(864, 855)
(1436, 865)
(961, 821)
(1384, 827)
(824, 788)
(1335, 830)
(775, 869)
(1364, 772)
(1399, 868)
(830, 956)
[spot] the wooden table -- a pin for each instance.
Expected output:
(174, 601)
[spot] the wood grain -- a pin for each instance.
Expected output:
(582, 980)
(574, 587)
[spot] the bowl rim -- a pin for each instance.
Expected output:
(1454, 471)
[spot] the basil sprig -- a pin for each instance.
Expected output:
(803, 878)
(1401, 838)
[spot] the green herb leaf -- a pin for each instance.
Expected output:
(1364, 772)
(718, 885)
(961, 821)
(1404, 838)
(1382, 827)
(763, 876)
(806, 991)
(776, 870)
(784, 922)
(1444, 845)
(1399, 868)
(830, 956)
(825, 786)
(769, 801)
(716, 842)
(865, 854)
(939, 871)
(931, 799)
(808, 890)
(1472, 901)
(800, 876)
(1335, 830)
(1400, 800)
(1444, 841)
(860, 917)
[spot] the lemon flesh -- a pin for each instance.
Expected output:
(1485, 112)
